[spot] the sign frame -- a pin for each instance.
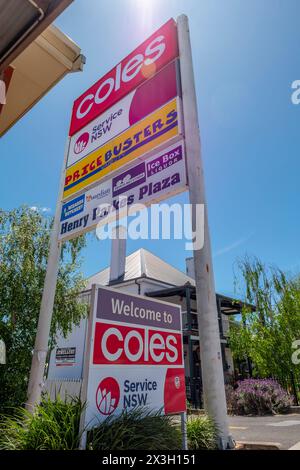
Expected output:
(92, 320)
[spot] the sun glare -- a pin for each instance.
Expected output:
(145, 10)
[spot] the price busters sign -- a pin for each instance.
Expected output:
(136, 356)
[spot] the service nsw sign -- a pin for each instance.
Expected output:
(146, 135)
(144, 182)
(135, 357)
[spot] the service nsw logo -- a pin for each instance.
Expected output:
(107, 396)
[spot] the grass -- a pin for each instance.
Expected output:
(53, 426)
(138, 429)
(201, 433)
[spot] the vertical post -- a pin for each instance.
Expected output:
(118, 253)
(190, 346)
(36, 378)
(210, 350)
(86, 368)
(184, 431)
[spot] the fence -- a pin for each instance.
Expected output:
(64, 388)
(193, 386)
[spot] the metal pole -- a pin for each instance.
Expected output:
(190, 347)
(86, 368)
(118, 253)
(210, 350)
(184, 431)
(36, 378)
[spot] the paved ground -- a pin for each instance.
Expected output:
(282, 429)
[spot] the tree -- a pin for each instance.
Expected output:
(24, 246)
(267, 334)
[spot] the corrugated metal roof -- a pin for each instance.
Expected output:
(143, 263)
(21, 22)
(17, 16)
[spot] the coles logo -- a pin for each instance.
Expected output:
(107, 396)
(81, 143)
(147, 59)
(120, 344)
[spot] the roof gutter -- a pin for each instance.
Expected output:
(31, 27)
(46, 17)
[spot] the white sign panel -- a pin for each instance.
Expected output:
(100, 131)
(145, 182)
(66, 359)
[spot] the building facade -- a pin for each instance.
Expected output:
(147, 274)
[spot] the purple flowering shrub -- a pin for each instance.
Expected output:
(257, 397)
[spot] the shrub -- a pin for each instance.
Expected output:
(138, 429)
(258, 397)
(201, 433)
(53, 426)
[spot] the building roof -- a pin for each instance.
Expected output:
(143, 263)
(36, 70)
(22, 21)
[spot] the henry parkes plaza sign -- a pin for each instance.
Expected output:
(135, 356)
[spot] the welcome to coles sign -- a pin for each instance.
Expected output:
(147, 59)
(135, 356)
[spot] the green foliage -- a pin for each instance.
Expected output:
(53, 426)
(24, 246)
(138, 429)
(267, 334)
(201, 433)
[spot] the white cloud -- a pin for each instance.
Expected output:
(233, 245)
(40, 209)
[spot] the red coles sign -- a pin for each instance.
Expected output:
(142, 63)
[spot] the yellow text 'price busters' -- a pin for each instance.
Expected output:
(156, 129)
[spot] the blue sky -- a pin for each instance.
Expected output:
(246, 56)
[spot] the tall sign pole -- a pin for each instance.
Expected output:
(36, 378)
(210, 348)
